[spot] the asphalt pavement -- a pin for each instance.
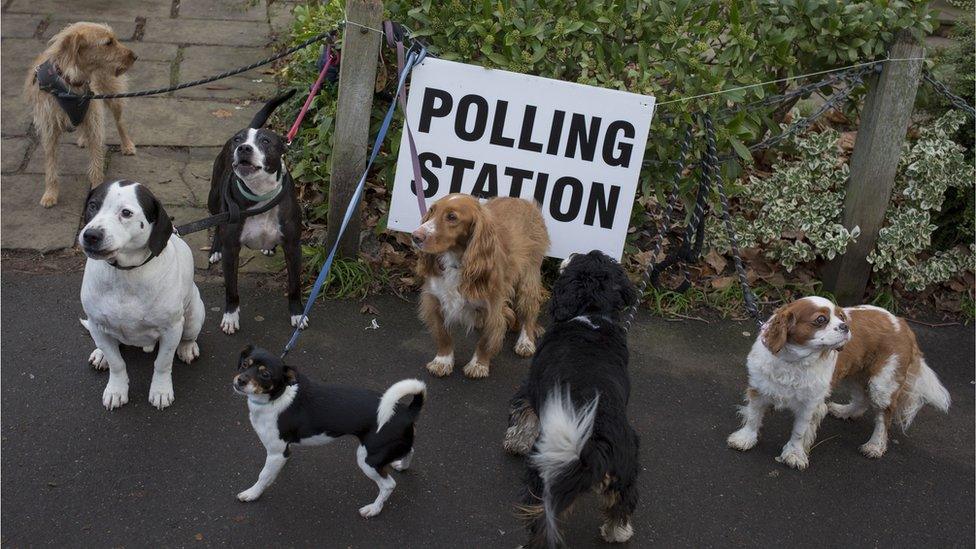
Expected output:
(76, 475)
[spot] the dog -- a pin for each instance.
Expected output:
(811, 346)
(288, 408)
(252, 161)
(478, 261)
(87, 57)
(137, 289)
(581, 439)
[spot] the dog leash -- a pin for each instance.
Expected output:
(394, 38)
(413, 57)
(327, 55)
(233, 215)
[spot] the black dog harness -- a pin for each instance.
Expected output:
(50, 79)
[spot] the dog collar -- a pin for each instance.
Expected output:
(52, 80)
(130, 267)
(246, 191)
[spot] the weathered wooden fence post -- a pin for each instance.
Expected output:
(357, 79)
(884, 123)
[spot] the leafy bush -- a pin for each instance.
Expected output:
(794, 214)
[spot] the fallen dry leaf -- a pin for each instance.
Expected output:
(716, 261)
(369, 309)
(222, 113)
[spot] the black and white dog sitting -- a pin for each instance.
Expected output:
(288, 408)
(581, 440)
(250, 172)
(138, 288)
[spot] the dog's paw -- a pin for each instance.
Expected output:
(268, 253)
(49, 199)
(129, 149)
(97, 360)
(743, 439)
(794, 457)
(844, 411)
(215, 257)
(441, 365)
(188, 351)
(115, 395)
(615, 532)
(524, 347)
(371, 510)
(873, 449)
(149, 348)
(231, 322)
(515, 443)
(299, 321)
(161, 391)
(475, 369)
(249, 495)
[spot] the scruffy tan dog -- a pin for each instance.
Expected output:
(89, 58)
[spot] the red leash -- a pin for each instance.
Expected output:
(311, 95)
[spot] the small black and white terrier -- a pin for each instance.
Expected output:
(581, 440)
(286, 407)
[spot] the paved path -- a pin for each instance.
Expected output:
(177, 134)
(74, 474)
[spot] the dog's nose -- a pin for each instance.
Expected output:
(844, 327)
(93, 237)
(418, 237)
(241, 380)
(244, 148)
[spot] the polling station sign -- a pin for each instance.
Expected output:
(575, 149)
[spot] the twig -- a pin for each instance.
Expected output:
(930, 325)
(822, 441)
(686, 317)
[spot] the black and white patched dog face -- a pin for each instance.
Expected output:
(261, 373)
(257, 153)
(123, 217)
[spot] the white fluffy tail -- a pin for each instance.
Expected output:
(397, 391)
(563, 432)
(924, 389)
(84, 322)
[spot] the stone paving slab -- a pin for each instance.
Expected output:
(153, 52)
(16, 56)
(93, 10)
(237, 10)
(12, 152)
(24, 224)
(199, 31)
(173, 122)
(197, 171)
(16, 115)
(72, 159)
(159, 169)
(19, 25)
(146, 75)
(124, 28)
(202, 61)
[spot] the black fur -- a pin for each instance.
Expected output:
(224, 195)
(585, 351)
(332, 410)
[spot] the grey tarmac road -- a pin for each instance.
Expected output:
(76, 475)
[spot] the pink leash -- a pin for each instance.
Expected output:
(311, 95)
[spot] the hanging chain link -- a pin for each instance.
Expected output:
(954, 99)
(663, 228)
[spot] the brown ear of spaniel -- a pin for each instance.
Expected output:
(481, 265)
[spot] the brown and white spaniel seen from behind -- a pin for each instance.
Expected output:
(812, 346)
(481, 265)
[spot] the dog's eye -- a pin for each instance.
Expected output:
(110, 42)
(821, 319)
(451, 216)
(265, 375)
(126, 213)
(237, 139)
(265, 141)
(93, 206)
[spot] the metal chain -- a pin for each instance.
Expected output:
(954, 99)
(207, 80)
(801, 91)
(663, 228)
(711, 167)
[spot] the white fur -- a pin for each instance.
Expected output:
(585, 320)
(924, 389)
(616, 533)
(299, 321)
(397, 391)
(895, 324)
(157, 302)
(263, 414)
(385, 484)
(456, 309)
(231, 322)
(563, 431)
(524, 346)
(885, 383)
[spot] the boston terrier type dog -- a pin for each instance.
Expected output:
(250, 172)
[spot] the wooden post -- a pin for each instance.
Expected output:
(357, 80)
(884, 123)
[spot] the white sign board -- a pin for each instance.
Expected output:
(574, 149)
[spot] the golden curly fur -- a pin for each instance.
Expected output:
(481, 265)
(90, 59)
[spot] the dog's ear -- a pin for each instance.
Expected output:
(70, 44)
(291, 376)
(483, 255)
(89, 213)
(568, 296)
(626, 292)
(777, 331)
(155, 213)
(245, 354)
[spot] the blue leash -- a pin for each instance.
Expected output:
(413, 58)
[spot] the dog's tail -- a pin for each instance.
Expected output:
(563, 459)
(84, 322)
(924, 389)
(398, 390)
(262, 115)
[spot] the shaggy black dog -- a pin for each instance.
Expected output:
(581, 440)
